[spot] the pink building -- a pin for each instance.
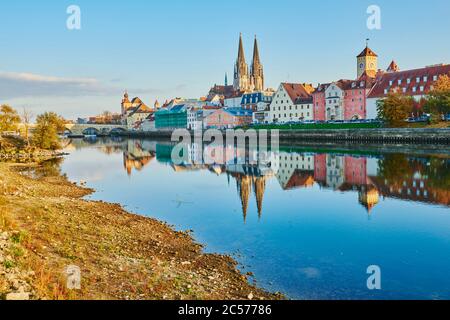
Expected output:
(228, 118)
(355, 100)
(320, 102)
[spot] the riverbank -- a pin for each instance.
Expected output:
(46, 226)
(379, 135)
(15, 149)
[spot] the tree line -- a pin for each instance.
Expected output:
(45, 134)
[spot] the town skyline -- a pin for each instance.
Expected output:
(83, 83)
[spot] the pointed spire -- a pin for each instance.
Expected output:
(241, 54)
(257, 73)
(256, 60)
(226, 79)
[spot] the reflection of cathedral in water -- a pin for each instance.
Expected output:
(370, 178)
(245, 184)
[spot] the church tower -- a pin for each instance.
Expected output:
(126, 104)
(257, 72)
(241, 76)
(367, 62)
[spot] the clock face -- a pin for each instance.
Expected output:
(372, 65)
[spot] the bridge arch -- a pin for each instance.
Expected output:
(91, 131)
(118, 130)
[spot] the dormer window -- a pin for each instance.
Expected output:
(435, 78)
(408, 81)
(399, 81)
(425, 79)
(417, 79)
(390, 82)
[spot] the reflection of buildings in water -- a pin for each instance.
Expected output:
(295, 170)
(343, 173)
(335, 171)
(413, 188)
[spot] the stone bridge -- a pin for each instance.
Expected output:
(93, 129)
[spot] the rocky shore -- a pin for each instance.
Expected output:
(46, 228)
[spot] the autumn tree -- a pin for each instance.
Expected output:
(395, 109)
(9, 119)
(48, 126)
(438, 100)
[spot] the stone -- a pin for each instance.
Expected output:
(18, 296)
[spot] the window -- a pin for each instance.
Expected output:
(435, 78)
(385, 91)
(390, 82)
(421, 88)
(408, 81)
(399, 81)
(417, 79)
(404, 90)
(414, 89)
(425, 79)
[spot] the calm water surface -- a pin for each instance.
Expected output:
(309, 230)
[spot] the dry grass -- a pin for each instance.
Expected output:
(121, 255)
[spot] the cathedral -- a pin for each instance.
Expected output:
(245, 79)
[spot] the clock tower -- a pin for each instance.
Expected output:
(367, 63)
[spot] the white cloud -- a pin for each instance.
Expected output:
(20, 85)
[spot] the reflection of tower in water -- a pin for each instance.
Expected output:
(259, 186)
(369, 197)
(244, 184)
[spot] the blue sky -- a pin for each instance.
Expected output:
(163, 49)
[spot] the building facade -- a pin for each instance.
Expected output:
(171, 119)
(292, 102)
(228, 118)
(416, 83)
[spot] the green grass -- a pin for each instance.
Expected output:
(321, 126)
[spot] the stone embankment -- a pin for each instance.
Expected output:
(381, 135)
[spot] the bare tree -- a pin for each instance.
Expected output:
(26, 116)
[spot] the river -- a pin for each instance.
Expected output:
(309, 229)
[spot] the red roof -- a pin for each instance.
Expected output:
(212, 107)
(297, 92)
(390, 81)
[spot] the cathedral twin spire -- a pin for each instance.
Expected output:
(243, 79)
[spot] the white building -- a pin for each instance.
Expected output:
(334, 101)
(292, 102)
